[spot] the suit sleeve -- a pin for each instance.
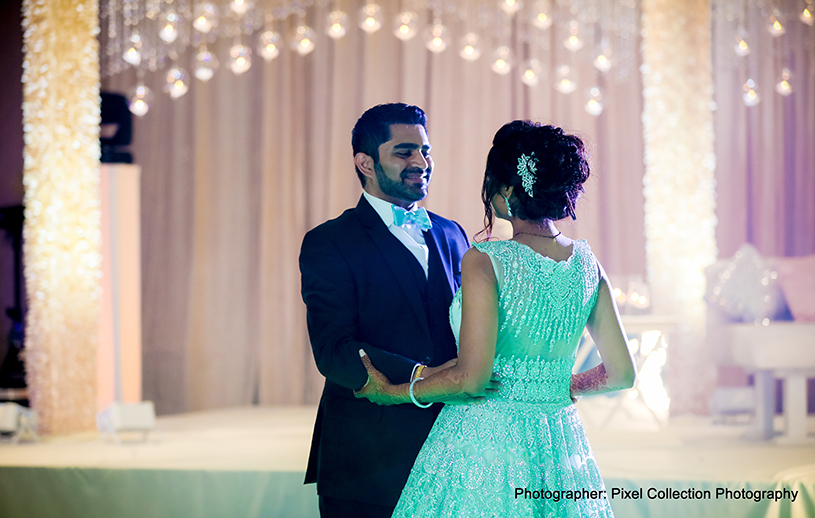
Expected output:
(463, 235)
(329, 291)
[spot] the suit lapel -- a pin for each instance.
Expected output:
(393, 252)
(439, 252)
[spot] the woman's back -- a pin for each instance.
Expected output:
(543, 304)
(543, 308)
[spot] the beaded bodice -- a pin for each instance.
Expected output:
(543, 307)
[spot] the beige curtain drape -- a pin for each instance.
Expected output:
(237, 170)
(765, 154)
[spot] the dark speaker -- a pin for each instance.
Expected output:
(116, 132)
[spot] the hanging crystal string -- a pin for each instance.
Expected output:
(469, 46)
(502, 58)
(807, 15)
(303, 41)
(542, 17)
(437, 35)
(406, 24)
(337, 22)
(604, 53)
(240, 55)
(784, 87)
(742, 46)
(269, 40)
(565, 75)
(625, 19)
(531, 69)
(602, 63)
(750, 95)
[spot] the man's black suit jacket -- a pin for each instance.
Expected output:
(364, 290)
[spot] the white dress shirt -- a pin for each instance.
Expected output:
(410, 235)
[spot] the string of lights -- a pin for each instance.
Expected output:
(152, 36)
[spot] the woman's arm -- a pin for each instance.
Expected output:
(617, 370)
(469, 378)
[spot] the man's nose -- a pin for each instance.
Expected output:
(419, 161)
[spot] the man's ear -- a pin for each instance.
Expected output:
(365, 164)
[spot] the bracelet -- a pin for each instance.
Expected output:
(413, 374)
(413, 398)
(419, 371)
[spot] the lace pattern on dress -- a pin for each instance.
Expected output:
(477, 455)
(534, 380)
(538, 293)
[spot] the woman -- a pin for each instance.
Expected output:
(520, 312)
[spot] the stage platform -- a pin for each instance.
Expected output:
(249, 462)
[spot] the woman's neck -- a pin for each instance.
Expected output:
(544, 227)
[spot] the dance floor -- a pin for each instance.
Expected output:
(249, 462)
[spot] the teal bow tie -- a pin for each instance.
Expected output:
(416, 217)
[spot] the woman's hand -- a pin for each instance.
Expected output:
(438, 388)
(575, 397)
(429, 371)
(378, 389)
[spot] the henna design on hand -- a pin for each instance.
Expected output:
(592, 381)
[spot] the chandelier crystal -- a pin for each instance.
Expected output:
(437, 37)
(542, 14)
(138, 99)
(240, 7)
(511, 6)
(751, 97)
(594, 104)
(406, 25)
(806, 16)
(502, 60)
(240, 59)
(303, 41)
(564, 82)
(783, 87)
(573, 42)
(205, 17)
(268, 45)
(775, 28)
(470, 49)
(370, 18)
(337, 25)
(603, 60)
(205, 64)
(169, 29)
(530, 72)
(176, 82)
(132, 54)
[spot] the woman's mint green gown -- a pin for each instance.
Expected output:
(529, 436)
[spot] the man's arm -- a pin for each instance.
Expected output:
(329, 291)
(471, 378)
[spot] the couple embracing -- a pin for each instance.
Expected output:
(448, 369)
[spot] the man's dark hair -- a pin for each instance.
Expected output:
(373, 128)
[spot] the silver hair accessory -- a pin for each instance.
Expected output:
(527, 167)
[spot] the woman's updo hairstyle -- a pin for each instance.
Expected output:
(561, 166)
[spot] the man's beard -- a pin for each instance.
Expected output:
(399, 189)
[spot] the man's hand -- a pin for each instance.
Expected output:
(379, 389)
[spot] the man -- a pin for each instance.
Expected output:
(380, 277)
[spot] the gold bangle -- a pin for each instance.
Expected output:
(419, 370)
